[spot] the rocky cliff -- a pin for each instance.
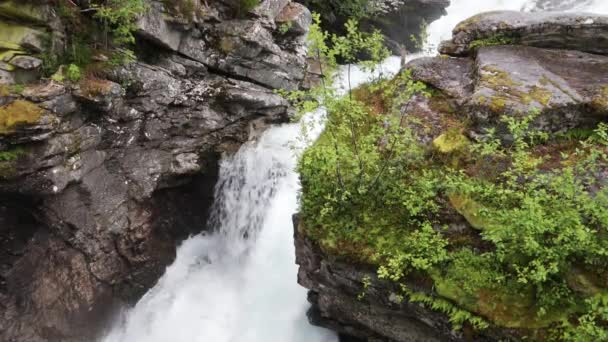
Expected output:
(498, 67)
(100, 178)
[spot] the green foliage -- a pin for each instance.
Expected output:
(495, 40)
(355, 9)
(456, 315)
(119, 18)
(11, 155)
(591, 326)
(247, 5)
(285, 27)
(536, 251)
(73, 73)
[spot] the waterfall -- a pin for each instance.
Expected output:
(238, 284)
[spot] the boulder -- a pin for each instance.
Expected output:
(554, 30)
(297, 18)
(514, 80)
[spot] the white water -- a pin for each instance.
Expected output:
(239, 284)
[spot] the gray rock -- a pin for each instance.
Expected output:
(296, 16)
(514, 80)
(576, 31)
(453, 76)
(115, 173)
(152, 25)
(26, 62)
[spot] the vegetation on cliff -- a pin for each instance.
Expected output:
(532, 253)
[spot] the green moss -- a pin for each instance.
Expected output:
(497, 79)
(27, 12)
(450, 141)
(11, 155)
(8, 161)
(6, 56)
(495, 40)
(464, 25)
(600, 100)
(471, 210)
(541, 95)
(19, 112)
(248, 5)
(14, 36)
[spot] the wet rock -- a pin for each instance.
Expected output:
(116, 170)
(555, 30)
(514, 80)
(26, 62)
(454, 76)
(336, 289)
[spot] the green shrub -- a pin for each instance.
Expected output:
(536, 252)
(73, 73)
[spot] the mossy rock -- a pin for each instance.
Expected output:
(514, 310)
(18, 113)
(471, 210)
(21, 11)
(600, 100)
(19, 37)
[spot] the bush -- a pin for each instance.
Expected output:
(536, 252)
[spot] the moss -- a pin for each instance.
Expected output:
(497, 79)
(14, 36)
(19, 10)
(450, 141)
(494, 40)
(227, 45)
(509, 309)
(471, 210)
(541, 95)
(6, 56)
(464, 25)
(8, 161)
(600, 100)
(19, 112)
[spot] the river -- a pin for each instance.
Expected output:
(239, 283)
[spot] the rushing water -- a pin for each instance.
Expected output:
(239, 283)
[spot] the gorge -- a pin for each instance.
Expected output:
(183, 159)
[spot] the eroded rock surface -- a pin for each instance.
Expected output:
(555, 30)
(103, 177)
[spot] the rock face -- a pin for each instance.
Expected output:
(101, 179)
(567, 87)
(554, 30)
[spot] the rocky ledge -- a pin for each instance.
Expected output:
(498, 64)
(101, 178)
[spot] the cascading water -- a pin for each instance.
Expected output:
(239, 283)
